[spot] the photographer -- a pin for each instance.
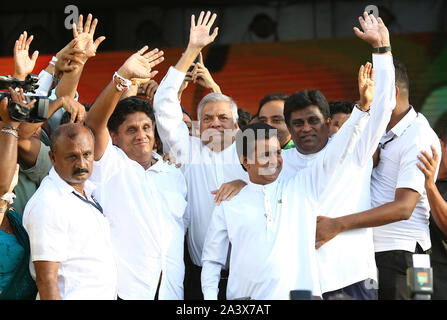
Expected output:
(16, 281)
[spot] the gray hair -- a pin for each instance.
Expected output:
(214, 97)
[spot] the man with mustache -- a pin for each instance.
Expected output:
(71, 248)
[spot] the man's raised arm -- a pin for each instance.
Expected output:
(138, 65)
(168, 112)
(362, 137)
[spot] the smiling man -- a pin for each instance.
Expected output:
(347, 263)
(71, 249)
(210, 160)
(143, 197)
(271, 223)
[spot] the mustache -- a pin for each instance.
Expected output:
(80, 170)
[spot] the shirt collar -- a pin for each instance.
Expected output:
(262, 187)
(403, 124)
(65, 188)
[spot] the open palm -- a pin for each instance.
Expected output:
(84, 35)
(140, 64)
(366, 84)
(23, 64)
(371, 30)
(199, 35)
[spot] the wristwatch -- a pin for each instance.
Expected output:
(382, 49)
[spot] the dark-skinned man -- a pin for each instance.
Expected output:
(347, 264)
(71, 249)
(400, 214)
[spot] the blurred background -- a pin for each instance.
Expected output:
(278, 46)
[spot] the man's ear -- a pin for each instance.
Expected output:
(244, 162)
(397, 90)
(114, 137)
(52, 158)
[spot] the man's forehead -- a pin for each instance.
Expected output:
(136, 118)
(270, 108)
(70, 142)
(307, 112)
(216, 108)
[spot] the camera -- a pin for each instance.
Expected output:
(38, 112)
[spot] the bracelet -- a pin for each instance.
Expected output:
(122, 84)
(55, 79)
(382, 49)
(10, 132)
(8, 197)
(53, 61)
(11, 127)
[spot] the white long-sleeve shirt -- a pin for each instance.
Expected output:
(349, 257)
(146, 213)
(272, 228)
(204, 169)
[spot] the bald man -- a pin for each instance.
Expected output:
(71, 251)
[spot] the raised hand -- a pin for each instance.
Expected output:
(140, 64)
(366, 85)
(374, 31)
(199, 35)
(84, 35)
(76, 109)
(69, 58)
(428, 166)
(23, 63)
(203, 77)
(148, 89)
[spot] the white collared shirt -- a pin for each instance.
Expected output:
(272, 229)
(349, 257)
(397, 169)
(146, 211)
(63, 228)
(204, 169)
(272, 236)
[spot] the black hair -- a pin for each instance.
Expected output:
(272, 97)
(302, 99)
(246, 137)
(187, 113)
(340, 107)
(244, 117)
(401, 75)
(128, 106)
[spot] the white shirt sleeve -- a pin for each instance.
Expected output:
(337, 151)
(169, 117)
(214, 255)
(107, 166)
(45, 82)
(48, 233)
(381, 108)
(410, 176)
